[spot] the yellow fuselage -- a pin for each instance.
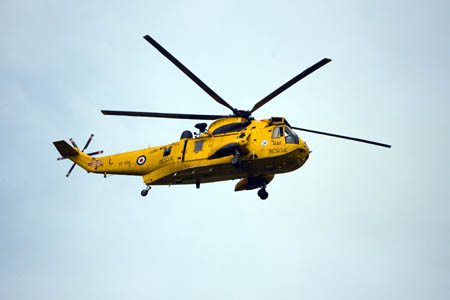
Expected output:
(263, 145)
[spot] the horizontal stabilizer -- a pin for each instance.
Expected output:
(65, 149)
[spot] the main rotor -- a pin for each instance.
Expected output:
(247, 114)
(235, 112)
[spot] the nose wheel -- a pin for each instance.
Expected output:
(144, 192)
(263, 194)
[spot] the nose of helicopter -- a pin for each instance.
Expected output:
(302, 151)
(304, 147)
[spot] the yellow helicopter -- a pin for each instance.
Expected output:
(234, 146)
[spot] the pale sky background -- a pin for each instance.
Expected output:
(355, 222)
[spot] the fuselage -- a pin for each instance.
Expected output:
(264, 148)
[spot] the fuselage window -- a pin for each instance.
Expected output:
(198, 146)
(277, 132)
(167, 151)
(291, 136)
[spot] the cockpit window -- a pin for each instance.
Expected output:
(277, 132)
(233, 127)
(291, 136)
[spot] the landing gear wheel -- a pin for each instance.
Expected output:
(262, 193)
(144, 192)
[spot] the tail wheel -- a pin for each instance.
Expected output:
(144, 192)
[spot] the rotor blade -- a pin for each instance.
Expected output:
(162, 115)
(95, 153)
(186, 71)
(290, 83)
(88, 142)
(73, 143)
(70, 170)
(90, 154)
(343, 137)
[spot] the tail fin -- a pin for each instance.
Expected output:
(65, 149)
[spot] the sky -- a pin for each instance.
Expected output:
(355, 222)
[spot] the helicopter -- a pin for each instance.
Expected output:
(234, 146)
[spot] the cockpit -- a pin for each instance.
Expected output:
(289, 135)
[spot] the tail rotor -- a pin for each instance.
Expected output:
(84, 148)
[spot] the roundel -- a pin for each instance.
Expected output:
(264, 143)
(141, 160)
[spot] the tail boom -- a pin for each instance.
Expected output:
(122, 163)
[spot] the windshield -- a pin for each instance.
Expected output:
(291, 137)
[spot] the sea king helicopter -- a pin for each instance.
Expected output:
(234, 146)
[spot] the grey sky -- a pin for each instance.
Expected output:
(356, 222)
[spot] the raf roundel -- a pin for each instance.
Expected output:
(141, 160)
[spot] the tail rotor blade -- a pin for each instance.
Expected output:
(90, 154)
(88, 142)
(73, 143)
(95, 153)
(70, 170)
